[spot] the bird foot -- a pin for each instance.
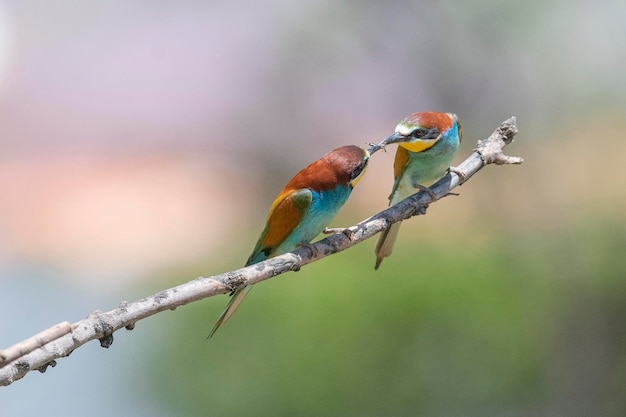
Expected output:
(233, 282)
(332, 230)
(462, 175)
(433, 196)
(311, 247)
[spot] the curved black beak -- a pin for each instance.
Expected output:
(395, 138)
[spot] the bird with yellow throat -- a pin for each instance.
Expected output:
(427, 143)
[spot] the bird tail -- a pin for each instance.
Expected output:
(385, 243)
(230, 309)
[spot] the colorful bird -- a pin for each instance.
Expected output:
(306, 205)
(427, 142)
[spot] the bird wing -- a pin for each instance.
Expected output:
(387, 238)
(399, 166)
(285, 215)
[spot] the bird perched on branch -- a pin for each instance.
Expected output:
(306, 205)
(427, 142)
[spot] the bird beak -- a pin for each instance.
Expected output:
(395, 138)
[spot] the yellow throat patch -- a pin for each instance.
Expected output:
(418, 145)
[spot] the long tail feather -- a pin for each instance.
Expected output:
(230, 309)
(385, 243)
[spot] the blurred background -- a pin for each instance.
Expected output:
(142, 143)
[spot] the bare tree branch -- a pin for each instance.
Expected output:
(42, 350)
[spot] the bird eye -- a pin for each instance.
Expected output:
(358, 170)
(418, 133)
(423, 133)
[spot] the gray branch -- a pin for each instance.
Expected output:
(40, 351)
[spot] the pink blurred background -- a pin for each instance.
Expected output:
(136, 134)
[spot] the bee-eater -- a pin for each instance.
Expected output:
(306, 205)
(427, 142)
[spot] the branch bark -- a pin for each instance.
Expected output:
(40, 351)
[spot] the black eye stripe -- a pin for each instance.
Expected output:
(357, 171)
(424, 133)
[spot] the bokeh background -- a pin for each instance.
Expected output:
(141, 144)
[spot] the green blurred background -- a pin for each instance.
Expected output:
(141, 144)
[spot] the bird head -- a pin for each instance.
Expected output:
(419, 131)
(352, 160)
(340, 167)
